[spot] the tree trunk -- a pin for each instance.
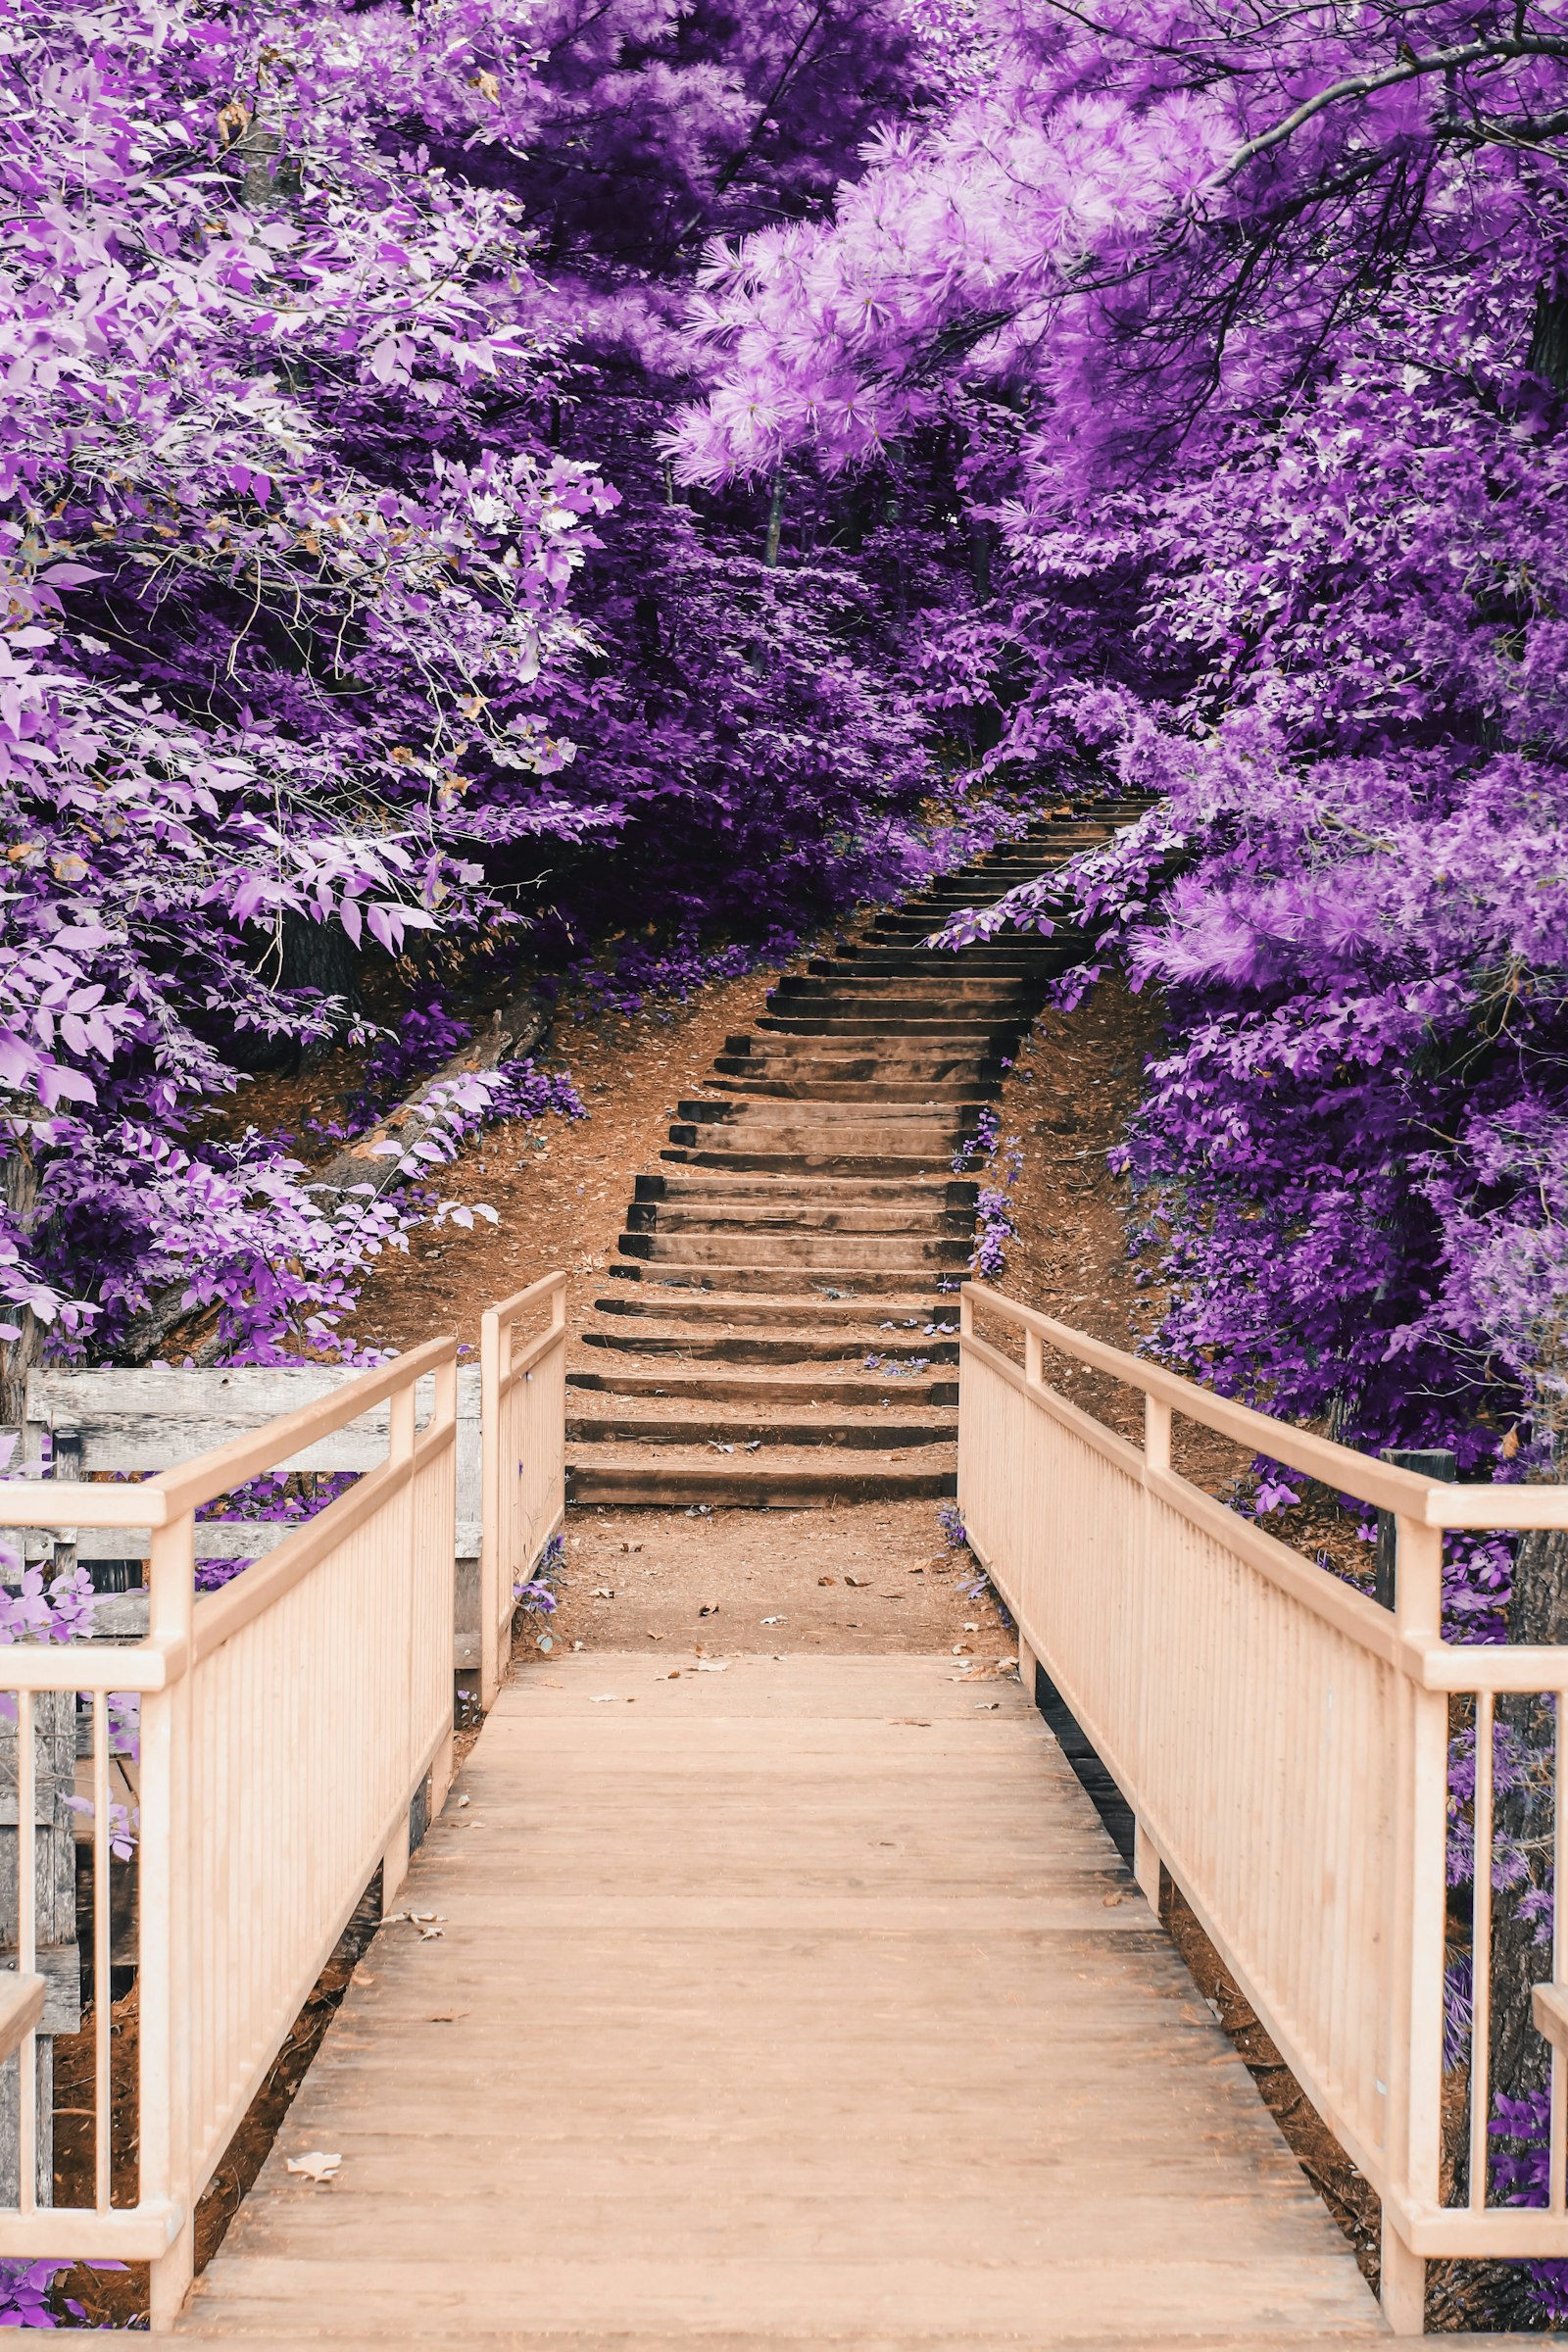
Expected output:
(1549, 342)
(19, 1189)
(303, 955)
(775, 522)
(980, 558)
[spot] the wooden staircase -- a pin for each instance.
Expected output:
(780, 1329)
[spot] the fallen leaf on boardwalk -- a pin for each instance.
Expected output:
(603, 1592)
(431, 1935)
(752, 1446)
(447, 2017)
(465, 1800)
(921, 1722)
(605, 1698)
(827, 1580)
(718, 1448)
(712, 1666)
(1109, 1903)
(856, 1580)
(775, 1621)
(652, 1637)
(710, 1608)
(987, 1706)
(970, 1626)
(316, 2164)
(631, 1547)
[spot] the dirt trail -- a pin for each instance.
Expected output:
(864, 1577)
(559, 1186)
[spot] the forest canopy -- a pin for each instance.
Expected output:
(490, 480)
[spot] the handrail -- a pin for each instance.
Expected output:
(1403, 1491)
(524, 1472)
(1284, 1745)
(163, 1498)
(315, 1689)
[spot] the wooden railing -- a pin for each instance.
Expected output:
(288, 1723)
(1284, 1745)
(522, 1416)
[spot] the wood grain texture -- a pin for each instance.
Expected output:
(805, 2003)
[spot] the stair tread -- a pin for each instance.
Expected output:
(827, 1133)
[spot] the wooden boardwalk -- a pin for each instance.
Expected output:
(802, 2004)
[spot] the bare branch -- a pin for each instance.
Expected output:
(1407, 69)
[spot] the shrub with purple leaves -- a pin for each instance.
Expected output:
(641, 977)
(27, 2297)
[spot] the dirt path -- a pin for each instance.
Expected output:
(865, 1577)
(559, 1186)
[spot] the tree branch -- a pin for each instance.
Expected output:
(1363, 86)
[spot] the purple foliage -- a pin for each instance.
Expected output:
(26, 2294)
(350, 609)
(1291, 558)
(607, 486)
(640, 976)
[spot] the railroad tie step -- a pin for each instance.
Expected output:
(779, 1327)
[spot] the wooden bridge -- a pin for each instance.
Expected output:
(806, 2004)
(779, 2001)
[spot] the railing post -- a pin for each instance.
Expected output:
(166, 2089)
(400, 1415)
(1157, 1456)
(1416, 1939)
(492, 1370)
(445, 1414)
(1145, 1864)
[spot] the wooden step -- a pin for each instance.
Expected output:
(766, 1482)
(877, 1141)
(794, 1216)
(849, 1192)
(800, 1057)
(775, 1112)
(786, 1281)
(744, 1160)
(955, 1029)
(841, 1281)
(864, 1319)
(781, 1389)
(861, 1254)
(744, 1434)
(763, 1346)
(921, 1089)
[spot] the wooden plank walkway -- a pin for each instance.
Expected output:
(804, 2003)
